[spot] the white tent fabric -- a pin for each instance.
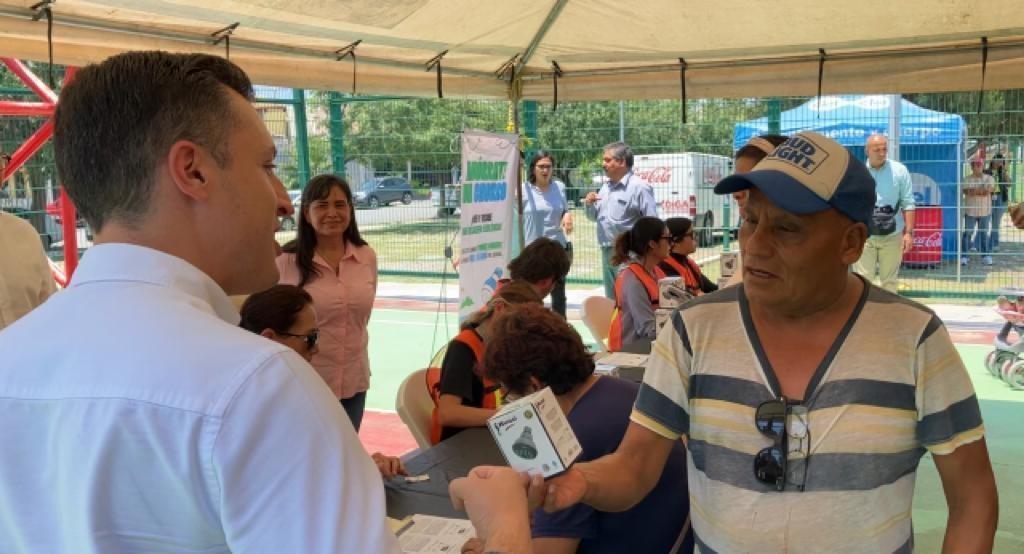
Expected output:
(606, 49)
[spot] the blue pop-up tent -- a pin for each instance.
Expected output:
(931, 143)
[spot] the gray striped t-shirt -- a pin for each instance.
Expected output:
(891, 388)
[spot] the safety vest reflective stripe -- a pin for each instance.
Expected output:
(491, 398)
(650, 283)
(689, 275)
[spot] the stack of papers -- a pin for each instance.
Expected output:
(429, 535)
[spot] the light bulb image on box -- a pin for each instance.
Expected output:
(524, 446)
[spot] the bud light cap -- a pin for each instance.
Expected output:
(810, 173)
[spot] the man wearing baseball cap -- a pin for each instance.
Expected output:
(806, 395)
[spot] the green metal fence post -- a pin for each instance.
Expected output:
(337, 131)
(530, 127)
(774, 116)
(301, 135)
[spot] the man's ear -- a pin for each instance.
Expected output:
(545, 283)
(268, 333)
(853, 242)
(189, 166)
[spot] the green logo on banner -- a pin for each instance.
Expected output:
(485, 171)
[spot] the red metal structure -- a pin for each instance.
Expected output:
(33, 143)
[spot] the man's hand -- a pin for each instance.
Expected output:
(590, 198)
(388, 466)
(567, 223)
(498, 501)
(565, 491)
(908, 242)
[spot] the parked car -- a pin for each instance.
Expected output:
(382, 191)
(288, 221)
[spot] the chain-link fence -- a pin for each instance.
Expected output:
(402, 159)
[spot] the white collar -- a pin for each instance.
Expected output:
(130, 262)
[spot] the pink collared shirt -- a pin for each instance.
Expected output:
(343, 304)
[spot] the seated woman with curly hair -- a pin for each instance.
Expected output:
(531, 348)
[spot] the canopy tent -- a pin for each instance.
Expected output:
(931, 143)
(604, 49)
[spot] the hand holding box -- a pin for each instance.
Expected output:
(534, 435)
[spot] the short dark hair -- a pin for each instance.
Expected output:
(541, 259)
(276, 308)
(116, 121)
(305, 242)
(678, 227)
(621, 151)
(538, 156)
(532, 341)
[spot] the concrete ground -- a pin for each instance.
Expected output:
(409, 324)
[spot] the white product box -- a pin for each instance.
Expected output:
(534, 435)
(728, 262)
(672, 293)
(661, 317)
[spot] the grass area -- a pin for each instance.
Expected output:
(419, 248)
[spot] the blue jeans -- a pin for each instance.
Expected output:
(981, 237)
(998, 209)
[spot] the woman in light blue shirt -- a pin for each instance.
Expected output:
(546, 213)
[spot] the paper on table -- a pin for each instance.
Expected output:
(429, 534)
(624, 359)
(396, 525)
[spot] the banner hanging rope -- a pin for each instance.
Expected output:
(682, 86)
(821, 75)
(984, 65)
(43, 9)
(225, 35)
(349, 50)
(435, 63)
(557, 72)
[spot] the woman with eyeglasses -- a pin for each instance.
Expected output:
(285, 315)
(679, 262)
(463, 397)
(546, 213)
(331, 261)
(643, 247)
(532, 348)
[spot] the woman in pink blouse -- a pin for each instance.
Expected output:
(331, 261)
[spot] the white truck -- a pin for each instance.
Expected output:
(684, 186)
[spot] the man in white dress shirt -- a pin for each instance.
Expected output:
(157, 424)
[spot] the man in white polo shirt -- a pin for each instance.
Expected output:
(158, 425)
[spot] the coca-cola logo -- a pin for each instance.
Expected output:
(933, 240)
(656, 175)
(676, 205)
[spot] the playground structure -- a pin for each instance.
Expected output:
(42, 109)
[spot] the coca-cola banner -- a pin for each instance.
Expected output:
(927, 251)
